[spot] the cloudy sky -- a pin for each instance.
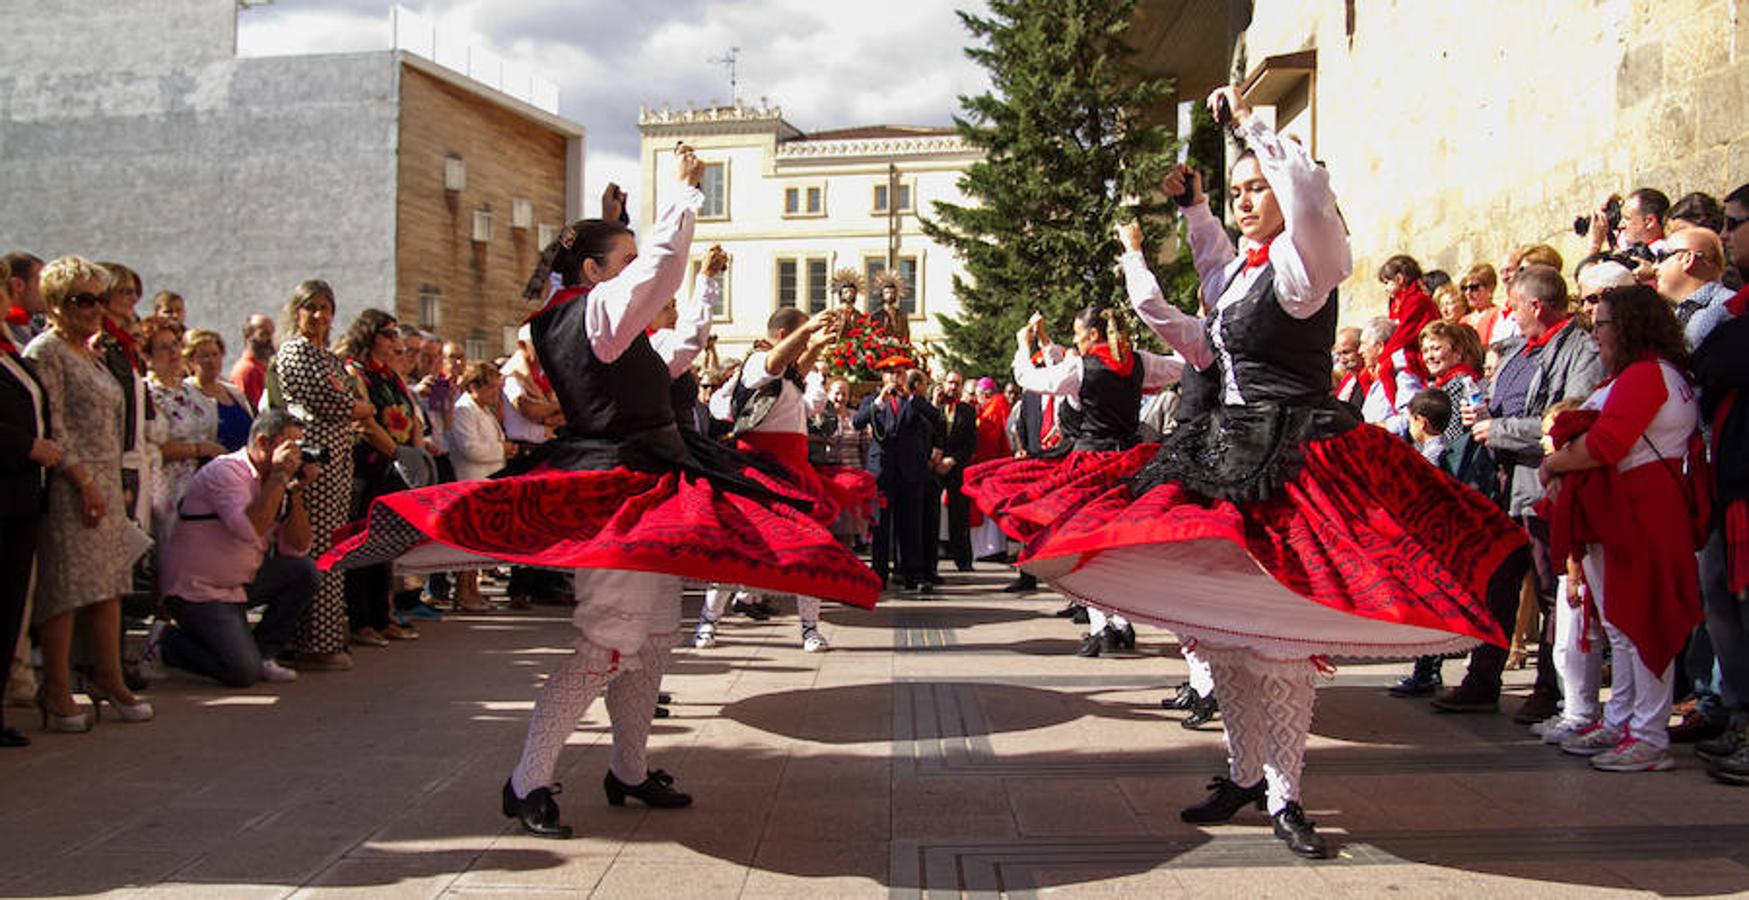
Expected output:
(828, 63)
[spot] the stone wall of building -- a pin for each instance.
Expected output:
(129, 132)
(1455, 130)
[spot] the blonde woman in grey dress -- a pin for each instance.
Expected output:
(313, 385)
(89, 547)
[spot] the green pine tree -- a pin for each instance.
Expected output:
(1070, 132)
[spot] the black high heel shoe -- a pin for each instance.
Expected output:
(538, 812)
(657, 791)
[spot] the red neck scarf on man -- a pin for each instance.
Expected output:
(1542, 340)
(1361, 380)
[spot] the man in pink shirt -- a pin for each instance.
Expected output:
(215, 563)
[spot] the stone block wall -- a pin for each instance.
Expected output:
(1456, 130)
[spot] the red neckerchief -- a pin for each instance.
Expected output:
(1465, 368)
(1120, 368)
(1362, 381)
(1738, 302)
(129, 346)
(1537, 343)
(559, 298)
(17, 316)
(1257, 256)
(1386, 377)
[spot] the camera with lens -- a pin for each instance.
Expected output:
(1611, 211)
(312, 453)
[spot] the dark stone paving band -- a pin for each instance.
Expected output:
(1011, 868)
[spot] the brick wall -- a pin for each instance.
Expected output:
(506, 156)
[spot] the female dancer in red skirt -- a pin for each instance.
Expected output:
(623, 497)
(1284, 529)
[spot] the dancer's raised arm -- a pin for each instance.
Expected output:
(621, 307)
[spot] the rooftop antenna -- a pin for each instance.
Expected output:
(731, 61)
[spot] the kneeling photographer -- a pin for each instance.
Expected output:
(216, 564)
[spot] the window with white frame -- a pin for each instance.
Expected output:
(430, 307)
(476, 346)
(908, 268)
(807, 200)
(803, 281)
(715, 185)
(882, 188)
(521, 213)
(546, 234)
(483, 225)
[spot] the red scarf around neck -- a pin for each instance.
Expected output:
(1106, 355)
(1463, 368)
(129, 346)
(1537, 343)
(1257, 256)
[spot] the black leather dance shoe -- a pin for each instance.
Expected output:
(1202, 712)
(1184, 698)
(537, 812)
(1295, 830)
(657, 791)
(1224, 802)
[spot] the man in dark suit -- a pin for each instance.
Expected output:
(957, 441)
(903, 424)
(26, 454)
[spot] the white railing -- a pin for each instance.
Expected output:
(417, 34)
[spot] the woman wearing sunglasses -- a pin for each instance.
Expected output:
(87, 552)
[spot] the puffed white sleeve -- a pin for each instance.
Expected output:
(1062, 379)
(1312, 255)
(1159, 370)
(621, 307)
(1182, 331)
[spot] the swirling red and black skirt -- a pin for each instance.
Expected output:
(839, 489)
(1367, 550)
(1025, 495)
(672, 522)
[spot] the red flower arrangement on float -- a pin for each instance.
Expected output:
(861, 346)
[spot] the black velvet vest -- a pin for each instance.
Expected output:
(616, 412)
(1111, 405)
(1276, 357)
(1282, 365)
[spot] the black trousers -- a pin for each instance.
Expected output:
(897, 531)
(929, 533)
(959, 521)
(1488, 662)
(17, 549)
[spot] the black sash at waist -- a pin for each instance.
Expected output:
(1243, 453)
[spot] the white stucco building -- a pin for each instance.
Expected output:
(793, 208)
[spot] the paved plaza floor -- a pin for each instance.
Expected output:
(948, 746)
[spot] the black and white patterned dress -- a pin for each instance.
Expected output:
(317, 388)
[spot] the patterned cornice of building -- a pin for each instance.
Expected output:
(927, 145)
(737, 119)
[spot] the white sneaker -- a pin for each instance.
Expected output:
(1559, 728)
(705, 637)
(273, 671)
(813, 641)
(1591, 740)
(1633, 755)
